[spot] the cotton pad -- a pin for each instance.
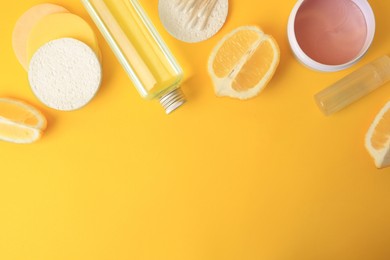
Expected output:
(193, 20)
(24, 26)
(65, 74)
(61, 25)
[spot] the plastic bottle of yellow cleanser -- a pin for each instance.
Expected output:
(140, 49)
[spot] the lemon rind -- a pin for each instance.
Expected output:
(42, 122)
(37, 133)
(382, 156)
(223, 86)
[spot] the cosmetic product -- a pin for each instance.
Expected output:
(354, 86)
(61, 25)
(193, 20)
(140, 49)
(25, 24)
(65, 74)
(330, 35)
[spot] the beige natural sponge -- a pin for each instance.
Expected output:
(24, 26)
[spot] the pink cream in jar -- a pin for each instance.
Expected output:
(331, 35)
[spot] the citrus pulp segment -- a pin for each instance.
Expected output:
(243, 62)
(378, 138)
(20, 122)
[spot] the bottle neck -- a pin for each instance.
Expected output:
(172, 100)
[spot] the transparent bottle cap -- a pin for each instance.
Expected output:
(172, 100)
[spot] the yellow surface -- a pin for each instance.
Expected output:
(269, 178)
(60, 25)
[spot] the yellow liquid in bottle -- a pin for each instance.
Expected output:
(137, 45)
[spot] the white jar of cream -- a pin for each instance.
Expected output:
(330, 35)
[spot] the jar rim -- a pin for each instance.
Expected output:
(302, 57)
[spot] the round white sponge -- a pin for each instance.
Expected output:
(65, 74)
(193, 20)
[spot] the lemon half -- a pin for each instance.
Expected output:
(243, 62)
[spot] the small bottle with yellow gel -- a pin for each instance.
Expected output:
(139, 48)
(354, 86)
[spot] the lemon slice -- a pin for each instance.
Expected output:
(20, 122)
(378, 138)
(243, 62)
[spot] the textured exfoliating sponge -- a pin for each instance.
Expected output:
(65, 74)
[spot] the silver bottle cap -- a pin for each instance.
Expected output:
(172, 100)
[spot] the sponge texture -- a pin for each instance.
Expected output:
(65, 74)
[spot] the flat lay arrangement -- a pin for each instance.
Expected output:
(276, 93)
(65, 74)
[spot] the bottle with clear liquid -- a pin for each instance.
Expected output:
(354, 86)
(140, 50)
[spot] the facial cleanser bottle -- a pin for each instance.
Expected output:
(140, 49)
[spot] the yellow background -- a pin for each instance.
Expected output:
(265, 179)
